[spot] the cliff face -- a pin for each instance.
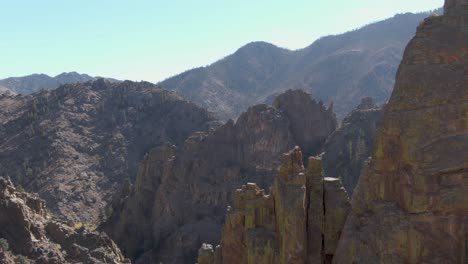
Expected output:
(411, 204)
(310, 132)
(299, 222)
(348, 148)
(181, 194)
(27, 232)
(77, 144)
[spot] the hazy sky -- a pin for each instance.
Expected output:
(154, 39)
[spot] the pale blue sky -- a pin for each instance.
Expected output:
(153, 39)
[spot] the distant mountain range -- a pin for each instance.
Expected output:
(35, 82)
(342, 68)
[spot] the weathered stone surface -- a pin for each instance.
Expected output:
(454, 7)
(411, 203)
(184, 195)
(76, 145)
(299, 222)
(206, 254)
(347, 149)
(336, 207)
(30, 233)
(289, 192)
(316, 211)
(311, 132)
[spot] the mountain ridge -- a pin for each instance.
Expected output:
(34, 82)
(341, 68)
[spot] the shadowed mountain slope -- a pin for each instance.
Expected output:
(342, 68)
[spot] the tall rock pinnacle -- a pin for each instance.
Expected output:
(411, 203)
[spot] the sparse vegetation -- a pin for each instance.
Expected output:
(20, 188)
(22, 260)
(88, 226)
(4, 244)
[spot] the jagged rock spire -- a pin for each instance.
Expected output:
(455, 6)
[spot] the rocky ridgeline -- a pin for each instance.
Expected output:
(181, 193)
(411, 203)
(77, 144)
(29, 234)
(349, 147)
(300, 221)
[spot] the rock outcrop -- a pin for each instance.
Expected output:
(77, 144)
(181, 193)
(28, 233)
(309, 133)
(411, 203)
(300, 221)
(348, 148)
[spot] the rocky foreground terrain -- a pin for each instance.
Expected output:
(76, 145)
(29, 235)
(181, 194)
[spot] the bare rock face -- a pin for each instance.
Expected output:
(299, 222)
(411, 203)
(31, 235)
(181, 193)
(455, 7)
(348, 148)
(77, 144)
(311, 132)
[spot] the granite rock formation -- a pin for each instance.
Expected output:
(29, 233)
(411, 203)
(300, 221)
(181, 193)
(77, 144)
(348, 148)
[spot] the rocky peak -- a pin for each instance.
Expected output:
(300, 221)
(309, 133)
(77, 144)
(183, 198)
(366, 103)
(292, 164)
